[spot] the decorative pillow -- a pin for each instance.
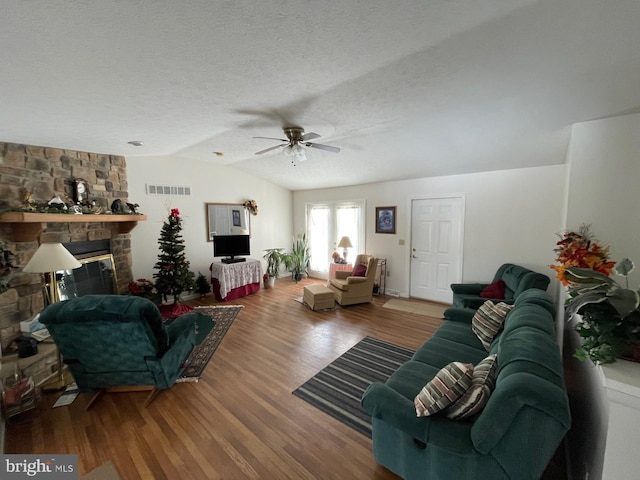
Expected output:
(495, 290)
(445, 388)
(488, 321)
(359, 271)
(476, 397)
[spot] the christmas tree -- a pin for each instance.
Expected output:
(174, 276)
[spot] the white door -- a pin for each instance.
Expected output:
(436, 247)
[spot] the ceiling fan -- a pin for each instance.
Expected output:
(295, 142)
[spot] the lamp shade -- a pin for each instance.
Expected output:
(51, 257)
(345, 242)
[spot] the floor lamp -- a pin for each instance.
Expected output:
(48, 259)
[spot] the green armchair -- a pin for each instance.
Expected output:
(119, 342)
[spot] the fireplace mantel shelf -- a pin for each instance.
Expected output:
(27, 226)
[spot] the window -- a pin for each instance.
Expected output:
(327, 223)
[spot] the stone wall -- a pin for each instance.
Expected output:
(43, 173)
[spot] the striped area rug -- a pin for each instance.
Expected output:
(338, 388)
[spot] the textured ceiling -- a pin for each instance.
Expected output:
(406, 89)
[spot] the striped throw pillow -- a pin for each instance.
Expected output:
(488, 321)
(483, 383)
(445, 388)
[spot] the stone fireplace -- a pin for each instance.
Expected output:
(42, 173)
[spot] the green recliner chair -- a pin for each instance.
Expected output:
(119, 342)
(517, 279)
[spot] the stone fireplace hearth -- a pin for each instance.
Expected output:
(43, 173)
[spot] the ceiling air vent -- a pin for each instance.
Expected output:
(167, 189)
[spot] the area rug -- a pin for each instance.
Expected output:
(435, 310)
(222, 317)
(106, 471)
(338, 388)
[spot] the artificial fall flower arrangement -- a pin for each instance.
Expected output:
(609, 319)
(252, 206)
(580, 249)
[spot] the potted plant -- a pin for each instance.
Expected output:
(297, 262)
(202, 285)
(609, 320)
(608, 315)
(274, 258)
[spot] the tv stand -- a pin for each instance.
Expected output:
(235, 280)
(233, 260)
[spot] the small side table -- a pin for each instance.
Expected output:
(339, 267)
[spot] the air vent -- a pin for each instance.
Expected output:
(167, 189)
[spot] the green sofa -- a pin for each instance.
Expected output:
(517, 279)
(517, 432)
(119, 340)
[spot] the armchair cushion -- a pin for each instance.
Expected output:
(360, 271)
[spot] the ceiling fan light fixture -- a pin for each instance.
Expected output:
(300, 157)
(298, 149)
(288, 150)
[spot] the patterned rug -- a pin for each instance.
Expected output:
(222, 316)
(338, 388)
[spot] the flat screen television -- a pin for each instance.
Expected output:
(230, 246)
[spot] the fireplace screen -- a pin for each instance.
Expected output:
(97, 275)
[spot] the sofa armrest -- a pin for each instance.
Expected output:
(468, 288)
(384, 403)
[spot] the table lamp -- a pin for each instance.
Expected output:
(345, 243)
(48, 259)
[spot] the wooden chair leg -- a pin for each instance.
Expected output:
(95, 397)
(151, 396)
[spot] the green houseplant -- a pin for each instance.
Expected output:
(274, 258)
(610, 315)
(297, 262)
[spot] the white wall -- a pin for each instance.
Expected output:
(511, 216)
(209, 183)
(604, 159)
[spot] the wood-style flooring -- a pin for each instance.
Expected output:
(240, 421)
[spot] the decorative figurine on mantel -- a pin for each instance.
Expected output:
(119, 207)
(80, 192)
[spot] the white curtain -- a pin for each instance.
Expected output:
(327, 223)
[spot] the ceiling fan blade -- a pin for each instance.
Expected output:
(309, 136)
(269, 149)
(320, 146)
(272, 138)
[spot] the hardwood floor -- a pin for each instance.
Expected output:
(240, 420)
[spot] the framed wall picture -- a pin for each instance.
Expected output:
(236, 218)
(385, 219)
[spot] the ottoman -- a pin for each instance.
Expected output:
(318, 297)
